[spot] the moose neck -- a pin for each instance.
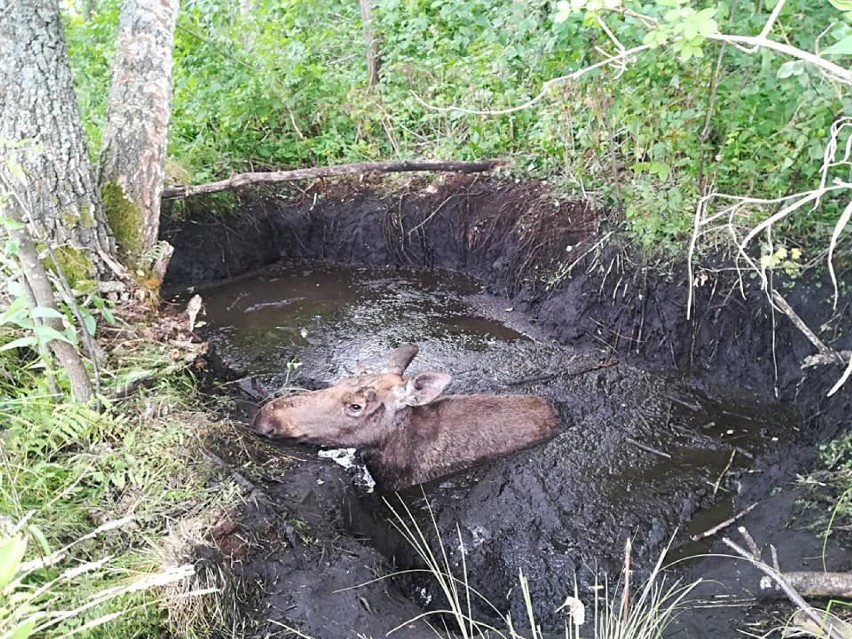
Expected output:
(414, 448)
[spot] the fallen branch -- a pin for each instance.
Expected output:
(816, 585)
(647, 449)
(827, 359)
(791, 593)
(800, 324)
(566, 373)
(724, 472)
(271, 177)
(724, 524)
(826, 356)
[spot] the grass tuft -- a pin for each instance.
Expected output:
(625, 611)
(108, 506)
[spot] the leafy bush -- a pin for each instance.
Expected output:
(285, 85)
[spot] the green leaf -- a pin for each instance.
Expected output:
(48, 334)
(843, 47)
(89, 323)
(17, 172)
(41, 540)
(842, 5)
(10, 224)
(661, 170)
(16, 311)
(25, 628)
(673, 15)
(656, 38)
(791, 68)
(45, 312)
(563, 12)
(11, 553)
(29, 340)
(11, 247)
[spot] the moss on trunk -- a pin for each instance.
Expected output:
(126, 220)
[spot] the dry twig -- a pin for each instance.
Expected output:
(788, 590)
(722, 525)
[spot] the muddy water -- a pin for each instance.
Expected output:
(322, 318)
(640, 454)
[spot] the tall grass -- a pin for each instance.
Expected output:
(34, 594)
(622, 611)
(89, 502)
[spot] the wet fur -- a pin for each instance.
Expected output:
(454, 433)
(406, 431)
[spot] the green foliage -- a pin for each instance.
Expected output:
(70, 472)
(837, 476)
(50, 595)
(285, 85)
(76, 266)
(91, 46)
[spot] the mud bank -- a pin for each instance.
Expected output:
(578, 302)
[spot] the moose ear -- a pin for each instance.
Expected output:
(423, 389)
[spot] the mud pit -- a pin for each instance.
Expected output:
(640, 449)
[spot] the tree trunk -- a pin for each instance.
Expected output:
(42, 293)
(40, 124)
(133, 148)
(371, 42)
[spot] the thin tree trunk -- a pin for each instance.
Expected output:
(133, 148)
(371, 42)
(39, 285)
(40, 124)
(246, 10)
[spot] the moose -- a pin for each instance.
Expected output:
(405, 430)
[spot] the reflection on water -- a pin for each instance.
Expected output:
(285, 312)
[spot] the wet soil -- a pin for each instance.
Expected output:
(654, 409)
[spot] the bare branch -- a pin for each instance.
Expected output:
(623, 56)
(400, 166)
(799, 323)
(843, 379)
(759, 42)
(724, 524)
(791, 593)
(770, 22)
(835, 237)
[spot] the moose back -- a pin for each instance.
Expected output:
(407, 432)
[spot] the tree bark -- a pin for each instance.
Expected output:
(40, 127)
(271, 177)
(371, 42)
(818, 585)
(133, 147)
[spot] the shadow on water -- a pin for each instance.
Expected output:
(640, 453)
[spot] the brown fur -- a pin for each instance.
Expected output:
(407, 432)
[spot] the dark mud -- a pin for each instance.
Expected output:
(652, 406)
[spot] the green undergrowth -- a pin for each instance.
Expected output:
(830, 485)
(126, 489)
(284, 85)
